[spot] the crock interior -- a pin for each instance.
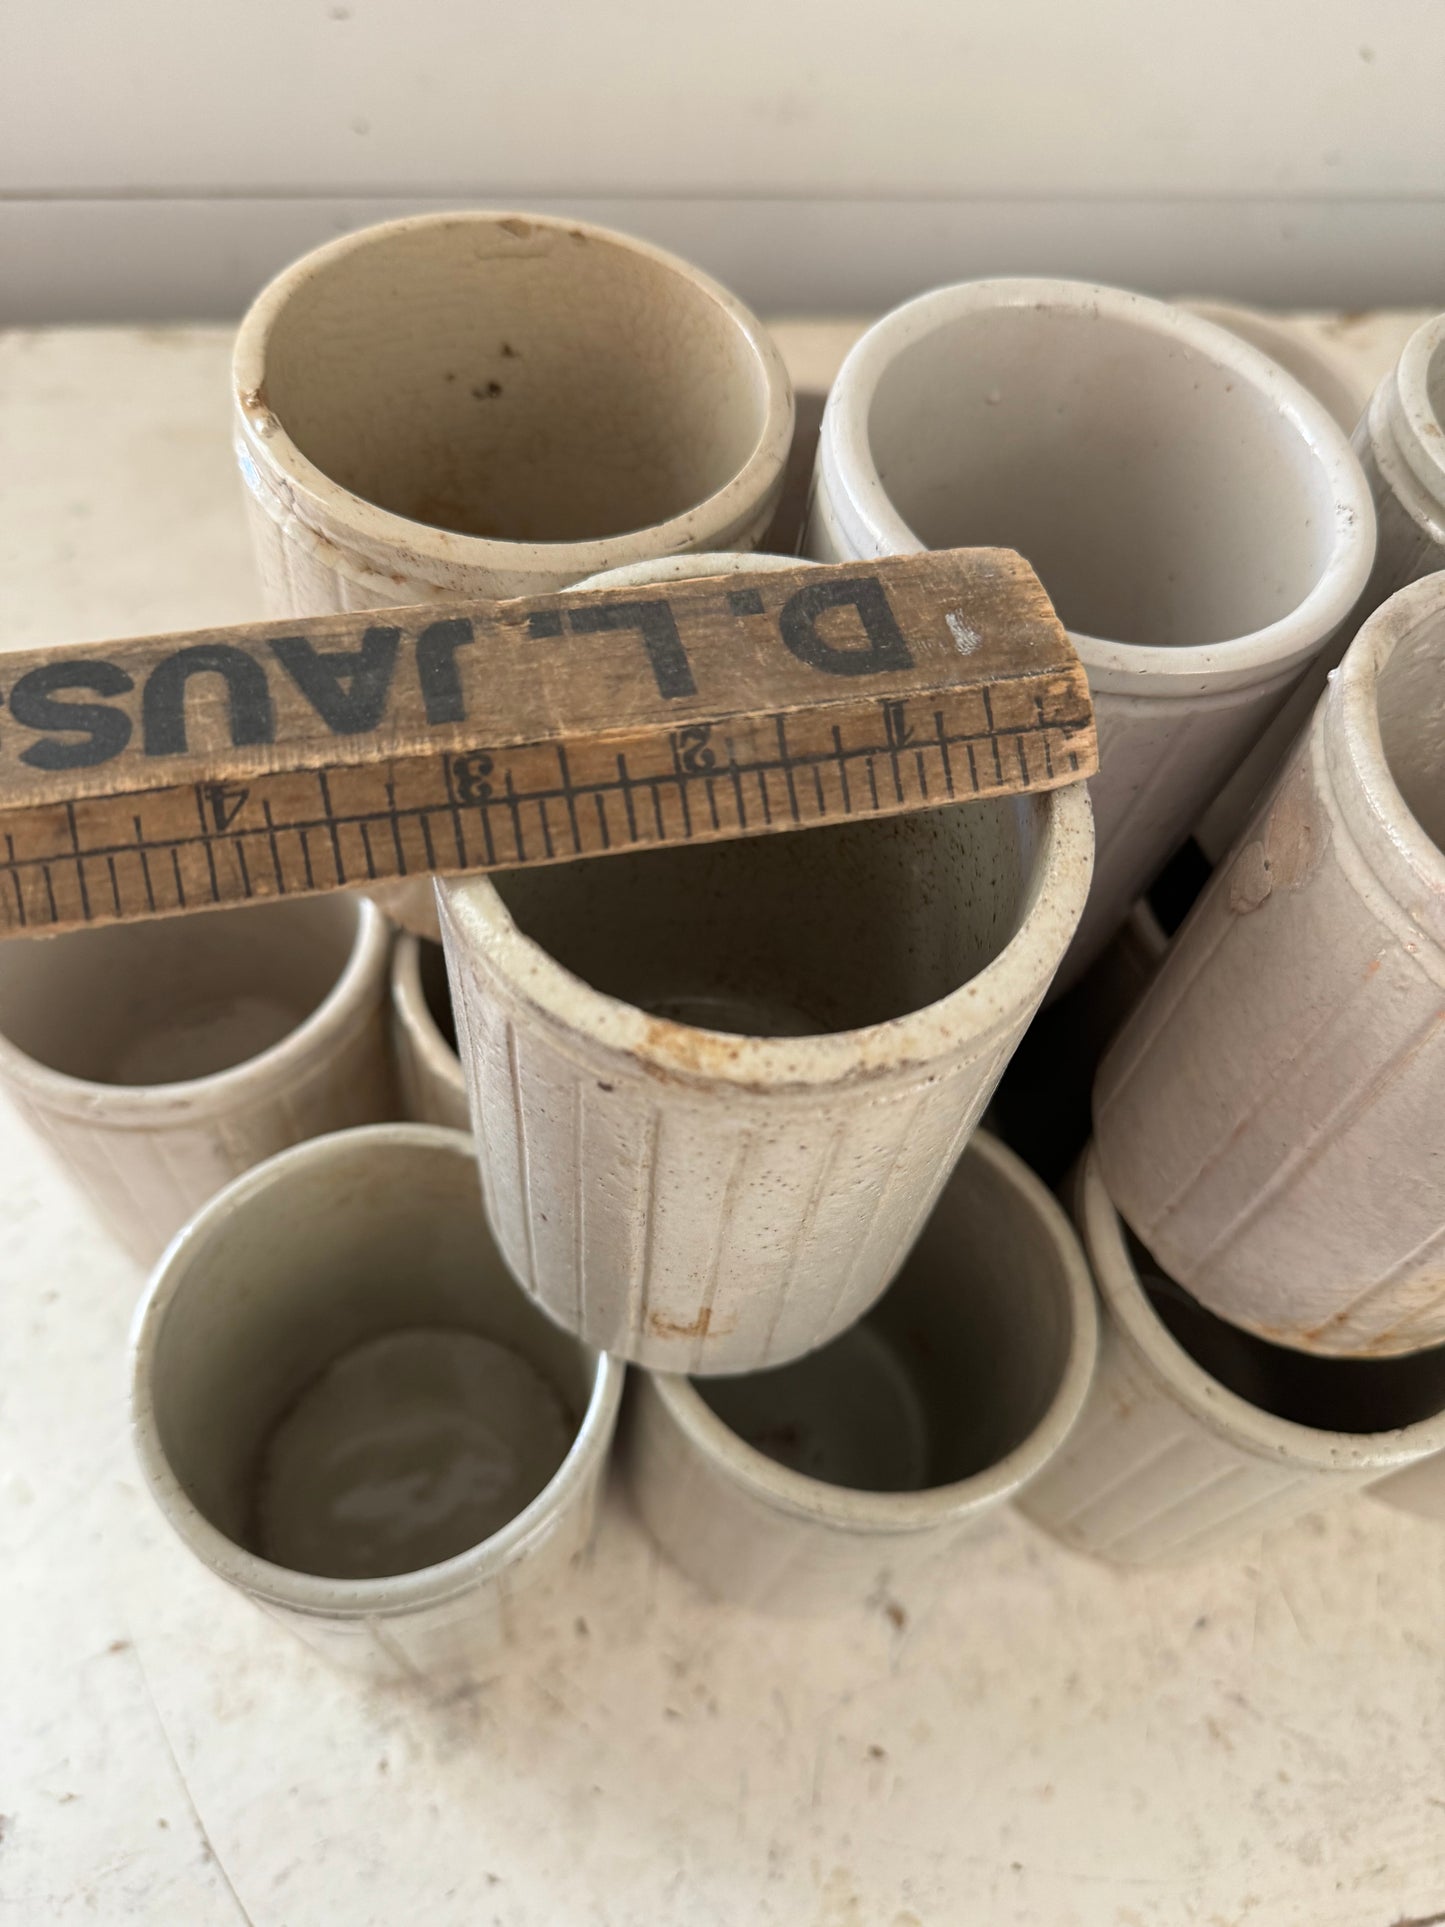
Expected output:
(951, 1370)
(782, 936)
(181, 998)
(435, 990)
(379, 1238)
(1162, 499)
(515, 381)
(1410, 703)
(1331, 1394)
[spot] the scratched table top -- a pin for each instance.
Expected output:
(1259, 1740)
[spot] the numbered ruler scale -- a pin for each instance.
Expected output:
(162, 775)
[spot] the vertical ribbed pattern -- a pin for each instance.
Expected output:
(1269, 1120)
(1142, 1481)
(725, 1229)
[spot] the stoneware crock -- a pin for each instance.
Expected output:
(1400, 441)
(1196, 1435)
(160, 1060)
(423, 1036)
(346, 1409)
(857, 1471)
(1197, 517)
(1269, 1121)
(486, 404)
(717, 1089)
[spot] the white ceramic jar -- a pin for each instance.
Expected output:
(717, 1089)
(858, 1470)
(1196, 1435)
(423, 1036)
(1197, 518)
(160, 1060)
(345, 1408)
(493, 404)
(1271, 1121)
(1400, 441)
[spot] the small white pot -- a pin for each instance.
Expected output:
(429, 1072)
(717, 1089)
(1196, 516)
(883, 1450)
(1400, 441)
(1181, 1450)
(160, 1060)
(1270, 1119)
(495, 404)
(368, 1249)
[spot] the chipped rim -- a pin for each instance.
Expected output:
(310, 1593)
(326, 507)
(845, 1508)
(859, 500)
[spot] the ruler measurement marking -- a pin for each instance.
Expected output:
(569, 795)
(602, 829)
(245, 872)
(15, 879)
(626, 781)
(79, 863)
(301, 831)
(275, 852)
(331, 824)
(401, 863)
(335, 820)
(787, 762)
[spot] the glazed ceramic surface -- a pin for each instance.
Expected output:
(1196, 516)
(423, 1036)
(819, 1484)
(717, 1089)
(1195, 1435)
(1269, 1120)
(160, 1060)
(487, 404)
(346, 1408)
(1400, 441)
(492, 405)
(1329, 376)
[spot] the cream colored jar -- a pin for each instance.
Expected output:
(861, 1469)
(1269, 1121)
(1196, 516)
(496, 405)
(160, 1060)
(717, 1089)
(1196, 1435)
(346, 1409)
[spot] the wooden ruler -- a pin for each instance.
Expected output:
(167, 774)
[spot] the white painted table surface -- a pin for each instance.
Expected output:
(1259, 1740)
